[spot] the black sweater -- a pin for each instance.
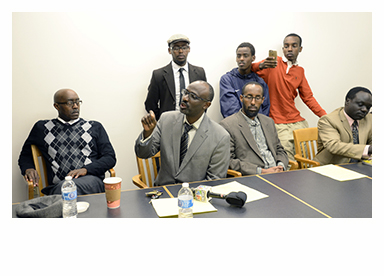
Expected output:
(85, 144)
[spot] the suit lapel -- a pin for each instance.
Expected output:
(169, 79)
(198, 140)
(265, 126)
(346, 125)
(246, 132)
(192, 73)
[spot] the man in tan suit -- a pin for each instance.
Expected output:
(345, 135)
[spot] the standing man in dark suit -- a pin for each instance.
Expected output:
(167, 82)
(255, 146)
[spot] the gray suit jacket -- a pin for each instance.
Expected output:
(207, 156)
(245, 155)
(161, 91)
(335, 139)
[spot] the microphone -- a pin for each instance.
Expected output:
(203, 193)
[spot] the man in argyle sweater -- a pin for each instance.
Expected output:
(70, 146)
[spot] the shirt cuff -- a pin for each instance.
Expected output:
(365, 152)
(145, 141)
(281, 164)
(258, 170)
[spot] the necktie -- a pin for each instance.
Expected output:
(184, 141)
(182, 82)
(355, 132)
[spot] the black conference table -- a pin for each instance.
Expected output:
(292, 194)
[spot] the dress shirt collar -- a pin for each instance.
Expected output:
(71, 122)
(254, 122)
(289, 63)
(176, 67)
(349, 119)
(196, 124)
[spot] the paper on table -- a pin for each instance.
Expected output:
(337, 173)
(235, 186)
(167, 207)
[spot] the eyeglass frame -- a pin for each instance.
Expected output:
(177, 48)
(68, 103)
(193, 95)
(250, 98)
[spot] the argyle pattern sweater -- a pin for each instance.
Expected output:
(85, 144)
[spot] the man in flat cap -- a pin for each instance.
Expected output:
(167, 82)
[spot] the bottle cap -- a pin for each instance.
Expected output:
(186, 184)
(68, 177)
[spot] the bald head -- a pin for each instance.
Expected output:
(62, 100)
(62, 94)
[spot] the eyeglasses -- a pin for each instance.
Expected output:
(70, 103)
(177, 48)
(250, 98)
(192, 95)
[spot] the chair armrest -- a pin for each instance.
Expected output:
(294, 165)
(306, 161)
(112, 172)
(233, 173)
(137, 181)
(30, 189)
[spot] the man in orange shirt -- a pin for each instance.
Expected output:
(285, 80)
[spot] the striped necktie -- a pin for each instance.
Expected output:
(355, 134)
(184, 141)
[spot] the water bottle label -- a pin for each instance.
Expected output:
(185, 203)
(70, 195)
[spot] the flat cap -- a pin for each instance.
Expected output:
(177, 38)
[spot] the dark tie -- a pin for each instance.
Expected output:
(182, 82)
(184, 141)
(355, 133)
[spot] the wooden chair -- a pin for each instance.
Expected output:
(306, 147)
(149, 168)
(294, 165)
(41, 169)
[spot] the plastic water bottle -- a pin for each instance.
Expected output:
(69, 195)
(185, 202)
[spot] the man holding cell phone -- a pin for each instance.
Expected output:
(285, 79)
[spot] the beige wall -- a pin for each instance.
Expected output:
(108, 58)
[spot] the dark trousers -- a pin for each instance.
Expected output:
(87, 184)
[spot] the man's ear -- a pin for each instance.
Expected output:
(56, 106)
(206, 105)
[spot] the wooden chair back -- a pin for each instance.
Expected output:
(306, 146)
(41, 169)
(148, 170)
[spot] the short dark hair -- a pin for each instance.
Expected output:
(353, 91)
(293, 34)
(249, 83)
(249, 45)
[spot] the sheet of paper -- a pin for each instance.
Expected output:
(167, 207)
(337, 173)
(235, 186)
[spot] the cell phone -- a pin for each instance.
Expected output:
(273, 53)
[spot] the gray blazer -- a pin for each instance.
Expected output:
(207, 156)
(245, 155)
